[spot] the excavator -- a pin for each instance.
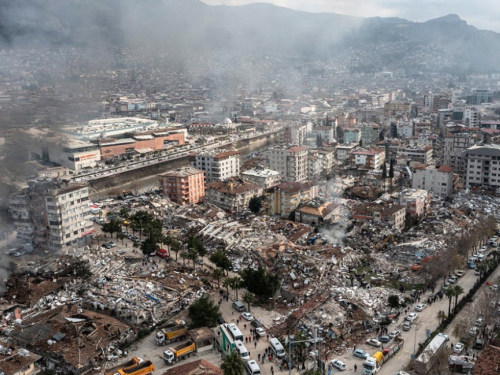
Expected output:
(419, 267)
(382, 244)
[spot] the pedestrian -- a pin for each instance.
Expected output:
(245, 326)
(246, 339)
(354, 346)
(258, 356)
(272, 370)
(263, 359)
(355, 368)
(265, 350)
(237, 321)
(250, 339)
(255, 344)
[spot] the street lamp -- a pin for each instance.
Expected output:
(315, 339)
(415, 339)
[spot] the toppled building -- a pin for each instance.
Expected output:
(15, 361)
(392, 214)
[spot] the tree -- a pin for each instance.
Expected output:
(227, 284)
(384, 171)
(125, 212)
(449, 293)
(391, 169)
(259, 282)
(381, 135)
(149, 246)
(184, 256)
(192, 255)
(457, 290)
(204, 313)
(218, 273)
(300, 352)
(248, 298)
(233, 364)
(112, 227)
(82, 270)
(360, 143)
(255, 204)
(176, 247)
(340, 134)
(221, 260)
(319, 141)
(121, 236)
(393, 301)
(236, 284)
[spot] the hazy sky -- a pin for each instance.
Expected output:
(484, 14)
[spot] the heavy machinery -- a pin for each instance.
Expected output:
(178, 352)
(382, 244)
(419, 266)
(143, 368)
(373, 364)
(174, 331)
(133, 362)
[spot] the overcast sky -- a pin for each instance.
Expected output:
(484, 14)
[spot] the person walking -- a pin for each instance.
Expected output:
(355, 368)
(255, 344)
(272, 370)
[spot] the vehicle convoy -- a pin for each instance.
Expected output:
(179, 352)
(175, 331)
(373, 364)
(133, 362)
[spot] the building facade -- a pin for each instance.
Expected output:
(438, 181)
(263, 177)
(52, 214)
(291, 163)
(370, 159)
(454, 150)
(184, 185)
(352, 135)
(392, 214)
(314, 214)
(483, 166)
(217, 166)
(295, 134)
(415, 201)
(233, 194)
(326, 132)
(285, 198)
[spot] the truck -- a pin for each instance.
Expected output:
(143, 368)
(425, 361)
(373, 364)
(133, 362)
(461, 364)
(178, 352)
(175, 331)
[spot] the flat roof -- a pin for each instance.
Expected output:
(260, 172)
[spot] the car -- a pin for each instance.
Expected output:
(120, 252)
(494, 288)
(12, 251)
(458, 348)
(247, 316)
(440, 294)
(483, 249)
(260, 331)
(395, 333)
(480, 257)
(452, 280)
(460, 273)
(479, 322)
(412, 316)
(494, 238)
(360, 353)
(384, 339)
(256, 323)
(446, 286)
(373, 342)
(221, 320)
(473, 331)
(338, 364)
(112, 244)
(406, 326)
(420, 307)
(477, 272)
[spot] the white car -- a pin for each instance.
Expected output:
(494, 288)
(420, 307)
(458, 348)
(247, 316)
(452, 280)
(373, 342)
(260, 331)
(411, 317)
(473, 331)
(479, 322)
(338, 364)
(483, 249)
(395, 333)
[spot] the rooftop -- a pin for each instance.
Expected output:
(293, 187)
(260, 172)
(199, 367)
(182, 172)
(232, 186)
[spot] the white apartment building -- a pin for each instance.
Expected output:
(295, 134)
(405, 129)
(326, 132)
(438, 181)
(217, 166)
(314, 167)
(263, 177)
(51, 215)
(291, 163)
(75, 154)
(417, 154)
(483, 166)
(454, 150)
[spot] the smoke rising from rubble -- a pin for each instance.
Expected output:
(336, 234)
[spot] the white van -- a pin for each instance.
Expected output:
(234, 331)
(277, 347)
(252, 368)
(242, 350)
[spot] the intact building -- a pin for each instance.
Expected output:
(370, 159)
(291, 163)
(438, 181)
(483, 166)
(286, 197)
(454, 150)
(217, 166)
(52, 214)
(184, 185)
(392, 214)
(233, 194)
(415, 201)
(326, 133)
(295, 135)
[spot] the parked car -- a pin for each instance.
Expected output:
(395, 333)
(360, 353)
(460, 273)
(247, 316)
(420, 307)
(412, 316)
(384, 339)
(452, 280)
(338, 364)
(473, 331)
(446, 337)
(260, 331)
(477, 272)
(406, 326)
(479, 322)
(120, 252)
(256, 323)
(494, 288)
(458, 348)
(373, 342)
(446, 286)
(221, 320)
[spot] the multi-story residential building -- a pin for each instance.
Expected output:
(290, 162)
(438, 181)
(397, 107)
(392, 214)
(370, 159)
(326, 157)
(314, 167)
(263, 177)
(471, 117)
(405, 129)
(415, 201)
(218, 166)
(352, 135)
(184, 185)
(233, 195)
(285, 198)
(481, 96)
(51, 214)
(454, 150)
(315, 213)
(369, 133)
(343, 152)
(327, 133)
(483, 166)
(295, 134)
(416, 154)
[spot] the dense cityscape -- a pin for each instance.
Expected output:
(248, 212)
